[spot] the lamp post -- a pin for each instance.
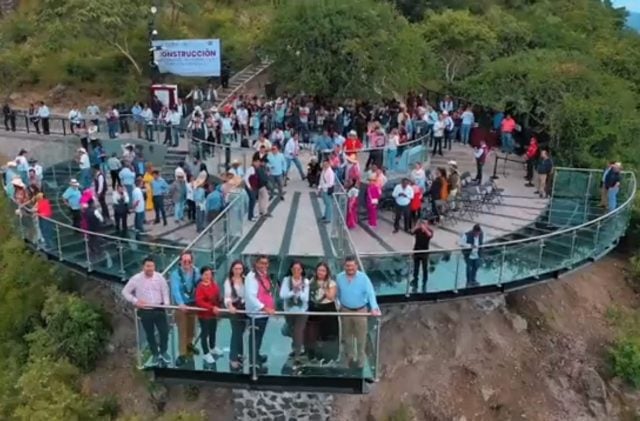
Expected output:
(153, 33)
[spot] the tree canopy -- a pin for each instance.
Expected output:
(357, 49)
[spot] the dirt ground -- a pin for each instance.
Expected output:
(537, 354)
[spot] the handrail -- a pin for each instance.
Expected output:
(275, 313)
(624, 205)
(201, 235)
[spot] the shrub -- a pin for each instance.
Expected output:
(625, 358)
(50, 390)
(72, 328)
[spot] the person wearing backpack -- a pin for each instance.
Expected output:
(183, 282)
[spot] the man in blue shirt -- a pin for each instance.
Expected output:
(71, 197)
(160, 188)
(277, 167)
(127, 179)
(214, 203)
(355, 294)
(183, 281)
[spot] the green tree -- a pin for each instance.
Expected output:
(589, 114)
(459, 40)
(111, 21)
(72, 328)
(345, 49)
(50, 390)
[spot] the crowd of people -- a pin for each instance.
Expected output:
(250, 298)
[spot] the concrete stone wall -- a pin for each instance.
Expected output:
(283, 406)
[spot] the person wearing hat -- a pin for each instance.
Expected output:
(22, 165)
(352, 144)
(236, 169)
(19, 193)
(353, 173)
(10, 172)
(454, 184)
(71, 198)
(472, 242)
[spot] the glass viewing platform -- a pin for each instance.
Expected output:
(571, 231)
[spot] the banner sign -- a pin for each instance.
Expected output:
(191, 57)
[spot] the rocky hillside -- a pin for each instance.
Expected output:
(539, 354)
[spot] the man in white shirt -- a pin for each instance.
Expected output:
(291, 155)
(85, 168)
(138, 206)
(243, 120)
(176, 122)
(438, 134)
(147, 116)
(402, 194)
(43, 113)
(325, 188)
(75, 119)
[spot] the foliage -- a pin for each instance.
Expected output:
(73, 329)
(50, 390)
(624, 354)
(588, 113)
(103, 47)
(460, 40)
(357, 49)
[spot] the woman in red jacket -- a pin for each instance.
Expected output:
(208, 297)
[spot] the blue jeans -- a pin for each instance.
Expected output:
(112, 127)
(506, 139)
(328, 206)
(472, 270)
(158, 205)
(175, 132)
(85, 177)
(390, 158)
(297, 163)
(178, 210)
(303, 128)
(238, 326)
(253, 197)
(47, 231)
(201, 218)
(465, 131)
(138, 221)
(612, 198)
(148, 132)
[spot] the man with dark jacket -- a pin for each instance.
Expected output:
(545, 168)
(472, 242)
(9, 117)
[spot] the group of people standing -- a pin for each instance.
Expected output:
(250, 299)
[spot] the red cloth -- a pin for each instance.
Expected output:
(508, 125)
(352, 145)
(207, 296)
(532, 150)
(44, 208)
(416, 202)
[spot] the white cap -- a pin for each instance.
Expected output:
(74, 182)
(453, 163)
(353, 133)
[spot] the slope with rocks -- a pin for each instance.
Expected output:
(537, 354)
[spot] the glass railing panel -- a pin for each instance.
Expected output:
(332, 340)
(558, 251)
(390, 274)
(491, 270)
(522, 260)
(213, 334)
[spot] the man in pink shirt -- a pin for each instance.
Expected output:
(147, 290)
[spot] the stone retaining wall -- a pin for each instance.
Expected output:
(284, 406)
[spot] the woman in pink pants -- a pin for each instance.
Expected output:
(373, 196)
(352, 205)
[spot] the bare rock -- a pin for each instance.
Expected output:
(593, 386)
(519, 323)
(489, 304)
(58, 92)
(159, 395)
(487, 393)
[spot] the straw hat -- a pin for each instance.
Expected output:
(353, 133)
(235, 162)
(453, 164)
(17, 181)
